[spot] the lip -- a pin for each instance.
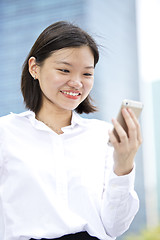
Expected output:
(66, 93)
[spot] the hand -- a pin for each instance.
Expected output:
(125, 150)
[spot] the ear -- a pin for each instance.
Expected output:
(32, 67)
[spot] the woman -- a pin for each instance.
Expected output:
(58, 176)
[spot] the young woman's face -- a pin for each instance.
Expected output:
(66, 77)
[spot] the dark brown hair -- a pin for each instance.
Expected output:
(57, 36)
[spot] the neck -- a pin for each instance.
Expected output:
(55, 118)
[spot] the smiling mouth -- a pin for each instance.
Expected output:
(71, 93)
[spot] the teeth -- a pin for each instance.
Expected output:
(71, 93)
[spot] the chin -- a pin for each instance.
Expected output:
(69, 108)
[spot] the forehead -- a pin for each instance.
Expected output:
(83, 53)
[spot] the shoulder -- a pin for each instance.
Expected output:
(93, 123)
(12, 121)
(5, 119)
(4, 125)
(94, 129)
(12, 117)
(5, 122)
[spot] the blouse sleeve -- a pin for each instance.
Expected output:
(120, 202)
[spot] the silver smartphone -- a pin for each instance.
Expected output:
(135, 106)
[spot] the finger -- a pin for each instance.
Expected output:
(120, 131)
(112, 139)
(132, 128)
(136, 122)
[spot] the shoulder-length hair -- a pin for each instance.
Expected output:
(57, 36)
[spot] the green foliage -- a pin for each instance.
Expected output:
(146, 234)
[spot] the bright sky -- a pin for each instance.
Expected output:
(148, 33)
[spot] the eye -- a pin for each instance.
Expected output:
(88, 74)
(64, 70)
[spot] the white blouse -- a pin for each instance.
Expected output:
(52, 185)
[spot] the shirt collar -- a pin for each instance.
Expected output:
(24, 114)
(76, 118)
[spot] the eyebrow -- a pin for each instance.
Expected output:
(66, 63)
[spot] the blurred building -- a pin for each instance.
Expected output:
(156, 124)
(113, 24)
(20, 24)
(148, 36)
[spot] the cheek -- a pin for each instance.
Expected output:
(89, 85)
(50, 81)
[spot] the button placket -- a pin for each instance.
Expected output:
(61, 171)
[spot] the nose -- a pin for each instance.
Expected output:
(75, 82)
